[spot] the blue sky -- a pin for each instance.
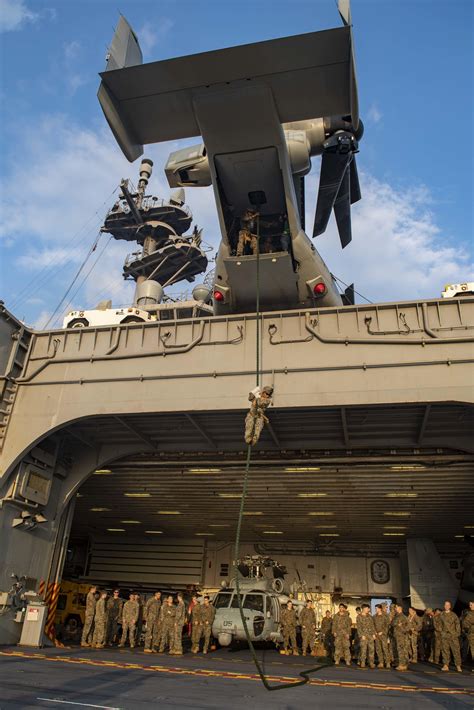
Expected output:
(413, 229)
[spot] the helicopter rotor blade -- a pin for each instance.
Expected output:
(355, 185)
(342, 210)
(333, 168)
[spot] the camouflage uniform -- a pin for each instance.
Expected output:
(256, 419)
(366, 633)
(392, 647)
(246, 235)
(427, 634)
(468, 628)
(100, 623)
(399, 627)
(178, 632)
(167, 618)
(88, 629)
(114, 608)
(130, 612)
(195, 627)
(326, 634)
(151, 615)
(341, 629)
(288, 628)
(436, 657)
(414, 628)
(450, 632)
(382, 624)
(308, 628)
(206, 616)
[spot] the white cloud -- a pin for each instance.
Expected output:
(374, 114)
(71, 49)
(397, 251)
(15, 14)
(150, 35)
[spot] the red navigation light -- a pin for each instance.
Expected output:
(319, 289)
(218, 296)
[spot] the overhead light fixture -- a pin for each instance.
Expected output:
(469, 527)
(154, 532)
(99, 510)
(131, 522)
(115, 529)
(272, 532)
(398, 513)
(395, 527)
(328, 534)
(392, 534)
(462, 536)
(168, 512)
(137, 495)
(230, 495)
(401, 494)
(302, 469)
(320, 513)
(205, 534)
(219, 525)
(407, 467)
(102, 472)
(325, 527)
(204, 470)
(253, 512)
(312, 495)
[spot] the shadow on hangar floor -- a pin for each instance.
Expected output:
(337, 475)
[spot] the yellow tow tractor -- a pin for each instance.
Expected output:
(70, 612)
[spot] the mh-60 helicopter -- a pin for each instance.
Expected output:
(263, 111)
(263, 592)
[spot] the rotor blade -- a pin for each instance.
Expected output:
(344, 8)
(342, 210)
(333, 169)
(355, 186)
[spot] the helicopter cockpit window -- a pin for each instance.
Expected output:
(254, 602)
(222, 600)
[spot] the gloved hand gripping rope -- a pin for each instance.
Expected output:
(260, 399)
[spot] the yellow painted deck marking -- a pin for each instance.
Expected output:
(239, 676)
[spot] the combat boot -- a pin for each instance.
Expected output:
(445, 668)
(296, 652)
(372, 665)
(147, 650)
(459, 669)
(380, 665)
(363, 666)
(401, 668)
(304, 653)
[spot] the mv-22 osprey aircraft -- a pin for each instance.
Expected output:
(263, 111)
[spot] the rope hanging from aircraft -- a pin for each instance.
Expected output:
(252, 436)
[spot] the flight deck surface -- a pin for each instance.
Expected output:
(115, 679)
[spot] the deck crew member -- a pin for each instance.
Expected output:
(130, 614)
(366, 634)
(179, 623)
(341, 629)
(468, 628)
(381, 624)
(207, 615)
(88, 629)
(167, 619)
(414, 628)
(326, 632)
(101, 621)
(399, 626)
(450, 633)
(308, 626)
(195, 625)
(151, 615)
(114, 608)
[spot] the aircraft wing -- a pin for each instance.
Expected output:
(310, 76)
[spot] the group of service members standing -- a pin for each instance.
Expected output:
(389, 634)
(164, 620)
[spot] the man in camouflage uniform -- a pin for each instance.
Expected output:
(399, 627)
(436, 653)
(114, 608)
(167, 620)
(355, 641)
(207, 616)
(88, 629)
(326, 633)
(151, 615)
(450, 633)
(288, 629)
(392, 646)
(366, 634)
(308, 626)
(414, 628)
(179, 623)
(255, 420)
(247, 236)
(468, 628)
(100, 621)
(381, 624)
(195, 625)
(341, 629)
(130, 613)
(426, 636)
(138, 630)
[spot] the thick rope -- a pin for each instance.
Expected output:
(303, 674)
